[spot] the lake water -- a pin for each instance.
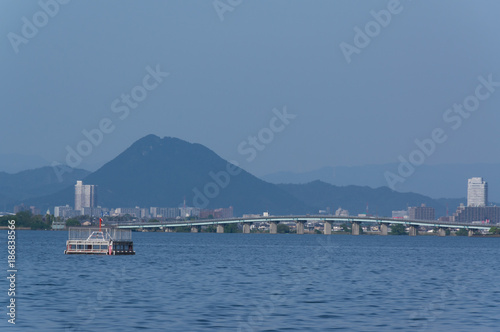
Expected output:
(258, 282)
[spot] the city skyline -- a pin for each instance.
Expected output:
(477, 208)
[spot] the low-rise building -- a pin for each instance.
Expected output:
(401, 214)
(65, 212)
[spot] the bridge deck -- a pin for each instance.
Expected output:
(375, 220)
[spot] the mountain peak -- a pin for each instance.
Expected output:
(155, 140)
(156, 171)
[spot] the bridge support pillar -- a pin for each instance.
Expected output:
(413, 231)
(470, 233)
(300, 226)
(383, 229)
(220, 228)
(327, 229)
(355, 228)
(195, 229)
(442, 231)
(246, 227)
(273, 227)
(169, 230)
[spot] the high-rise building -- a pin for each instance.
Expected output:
(421, 213)
(483, 214)
(85, 196)
(477, 192)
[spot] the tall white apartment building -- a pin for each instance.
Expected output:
(477, 192)
(85, 196)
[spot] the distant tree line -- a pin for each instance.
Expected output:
(26, 219)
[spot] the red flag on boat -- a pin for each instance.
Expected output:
(100, 220)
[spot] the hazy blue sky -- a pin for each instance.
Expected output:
(227, 76)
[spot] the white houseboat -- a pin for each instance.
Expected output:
(99, 241)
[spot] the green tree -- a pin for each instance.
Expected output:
(72, 222)
(153, 220)
(282, 228)
(38, 222)
(211, 229)
(23, 218)
(231, 228)
(5, 220)
(398, 230)
(461, 232)
(495, 230)
(182, 229)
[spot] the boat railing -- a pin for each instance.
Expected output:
(96, 234)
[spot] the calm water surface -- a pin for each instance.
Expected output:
(257, 282)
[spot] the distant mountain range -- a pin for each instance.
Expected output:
(435, 181)
(27, 185)
(163, 172)
(15, 162)
(356, 199)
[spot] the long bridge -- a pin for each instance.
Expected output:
(302, 220)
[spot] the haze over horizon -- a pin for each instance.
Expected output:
(226, 78)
